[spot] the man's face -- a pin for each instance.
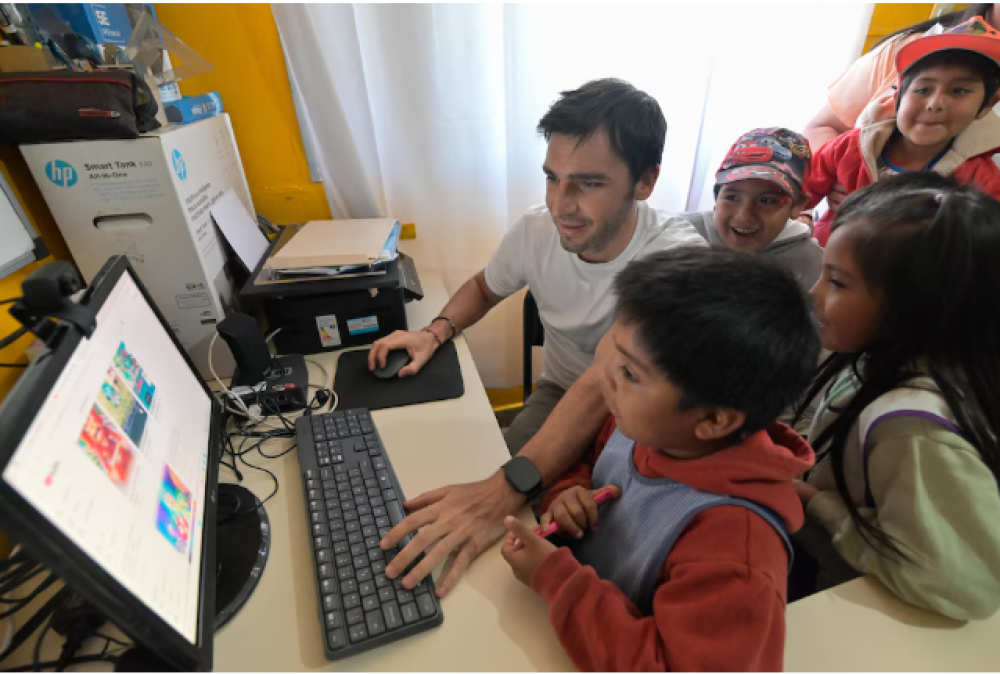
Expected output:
(750, 214)
(590, 194)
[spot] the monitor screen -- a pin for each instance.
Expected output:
(116, 458)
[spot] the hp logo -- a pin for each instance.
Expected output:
(61, 173)
(180, 168)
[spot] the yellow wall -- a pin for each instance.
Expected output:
(241, 42)
(888, 17)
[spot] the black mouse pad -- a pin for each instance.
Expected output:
(356, 386)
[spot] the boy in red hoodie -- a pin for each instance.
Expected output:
(688, 567)
(940, 120)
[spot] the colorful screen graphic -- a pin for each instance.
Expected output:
(173, 518)
(118, 402)
(108, 448)
(134, 375)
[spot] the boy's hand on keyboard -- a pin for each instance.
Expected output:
(455, 523)
(523, 549)
(575, 510)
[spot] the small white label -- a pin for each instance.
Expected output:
(359, 326)
(329, 333)
(193, 301)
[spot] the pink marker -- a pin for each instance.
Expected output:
(602, 497)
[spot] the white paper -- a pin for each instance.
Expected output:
(240, 229)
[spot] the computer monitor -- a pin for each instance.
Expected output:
(109, 461)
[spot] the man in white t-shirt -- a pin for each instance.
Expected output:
(605, 143)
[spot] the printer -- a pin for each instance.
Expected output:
(313, 314)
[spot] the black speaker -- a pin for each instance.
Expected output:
(246, 341)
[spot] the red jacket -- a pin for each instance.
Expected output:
(850, 159)
(721, 601)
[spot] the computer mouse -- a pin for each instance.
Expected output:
(394, 362)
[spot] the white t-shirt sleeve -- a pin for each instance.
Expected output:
(505, 272)
(676, 232)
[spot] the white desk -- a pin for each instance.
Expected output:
(491, 621)
(859, 626)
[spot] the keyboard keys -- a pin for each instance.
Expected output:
(425, 605)
(375, 621)
(410, 613)
(351, 505)
(393, 618)
(358, 633)
(395, 511)
(336, 639)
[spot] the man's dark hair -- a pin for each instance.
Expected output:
(632, 119)
(986, 68)
(730, 329)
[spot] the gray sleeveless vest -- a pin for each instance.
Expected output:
(638, 530)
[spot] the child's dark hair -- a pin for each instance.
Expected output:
(930, 250)
(986, 68)
(730, 329)
(632, 119)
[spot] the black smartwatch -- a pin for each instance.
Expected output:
(522, 475)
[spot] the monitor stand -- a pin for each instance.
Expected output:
(242, 544)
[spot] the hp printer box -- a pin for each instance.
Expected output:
(149, 199)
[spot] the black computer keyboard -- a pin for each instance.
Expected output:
(352, 500)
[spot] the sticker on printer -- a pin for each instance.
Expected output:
(359, 326)
(329, 333)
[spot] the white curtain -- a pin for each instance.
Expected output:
(427, 112)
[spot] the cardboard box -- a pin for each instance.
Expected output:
(22, 59)
(149, 199)
(99, 23)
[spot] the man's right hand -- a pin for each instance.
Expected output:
(421, 345)
(456, 523)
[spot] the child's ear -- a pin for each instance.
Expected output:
(988, 105)
(719, 422)
(799, 205)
